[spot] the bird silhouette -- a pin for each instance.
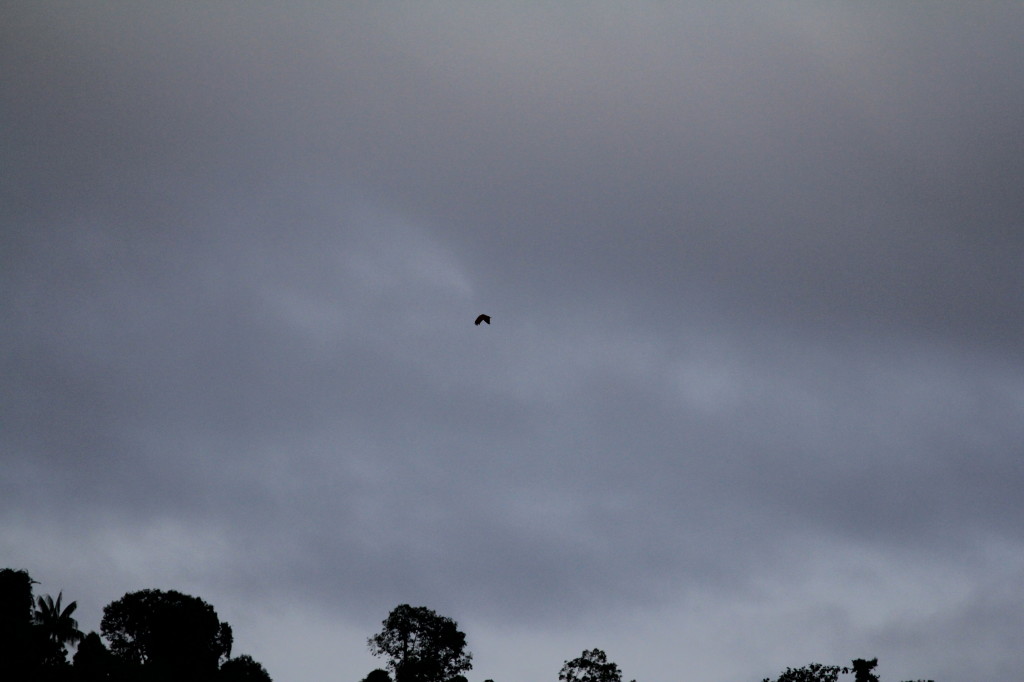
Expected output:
(483, 318)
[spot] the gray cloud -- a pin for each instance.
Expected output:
(754, 371)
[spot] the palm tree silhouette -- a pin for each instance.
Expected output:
(58, 625)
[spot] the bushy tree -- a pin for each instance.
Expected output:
(590, 666)
(243, 669)
(814, 672)
(154, 636)
(378, 675)
(167, 635)
(861, 670)
(421, 645)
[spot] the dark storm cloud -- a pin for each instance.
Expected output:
(720, 159)
(753, 273)
(760, 167)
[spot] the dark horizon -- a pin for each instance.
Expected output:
(163, 635)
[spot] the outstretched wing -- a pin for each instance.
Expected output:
(483, 318)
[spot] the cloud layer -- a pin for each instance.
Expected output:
(753, 391)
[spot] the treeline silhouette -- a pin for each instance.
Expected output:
(151, 636)
(167, 636)
(422, 646)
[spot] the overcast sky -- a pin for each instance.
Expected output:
(752, 397)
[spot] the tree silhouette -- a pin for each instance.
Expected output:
(243, 669)
(422, 646)
(862, 670)
(590, 666)
(167, 635)
(58, 626)
(378, 675)
(814, 672)
(16, 632)
(158, 636)
(93, 662)
(32, 641)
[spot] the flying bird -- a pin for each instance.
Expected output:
(483, 318)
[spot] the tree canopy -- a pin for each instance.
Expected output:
(93, 662)
(378, 675)
(166, 636)
(58, 625)
(153, 636)
(590, 666)
(421, 645)
(170, 633)
(813, 672)
(816, 672)
(243, 669)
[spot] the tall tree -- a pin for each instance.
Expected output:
(590, 666)
(167, 635)
(421, 645)
(16, 632)
(58, 625)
